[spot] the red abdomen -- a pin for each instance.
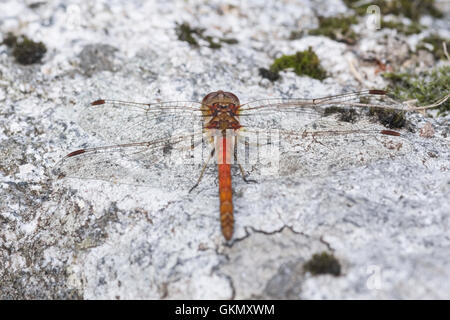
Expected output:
(226, 200)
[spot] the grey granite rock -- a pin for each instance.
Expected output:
(96, 57)
(385, 218)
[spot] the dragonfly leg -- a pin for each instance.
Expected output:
(243, 175)
(240, 166)
(314, 140)
(203, 170)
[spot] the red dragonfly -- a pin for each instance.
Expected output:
(165, 144)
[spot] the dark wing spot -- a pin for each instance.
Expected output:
(75, 153)
(97, 102)
(390, 132)
(375, 91)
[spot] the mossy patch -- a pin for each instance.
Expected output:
(323, 263)
(426, 87)
(345, 115)
(192, 35)
(186, 33)
(24, 50)
(434, 44)
(392, 119)
(408, 30)
(337, 28)
(10, 40)
(266, 73)
(304, 63)
(297, 34)
(410, 9)
(229, 40)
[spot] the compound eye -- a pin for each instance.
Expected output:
(232, 96)
(208, 97)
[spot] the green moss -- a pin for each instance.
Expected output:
(346, 115)
(25, 51)
(413, 28)
(436, 42)
(211, 43)
(266, 73)
(425, 87)
(392, 119)
(295, 35)
(332, 110)
(303, 62)
(186, 33)
(411, 9)
(349, 115)
(191, 35)
(37, 4)
(337, 28)
(29, 52)
(229, 40)
(323, 263)
(10, 40)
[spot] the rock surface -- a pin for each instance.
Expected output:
(386, 221)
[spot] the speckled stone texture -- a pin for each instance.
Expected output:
(387, 220)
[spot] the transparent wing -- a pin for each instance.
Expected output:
(364, 99)
(165, 144)
(123, 122)
(320, 148)
(292, 113)
(166, 163)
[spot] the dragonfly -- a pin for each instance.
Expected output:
(172, 143)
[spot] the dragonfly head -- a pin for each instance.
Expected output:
(221, 98)
(222, 108)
